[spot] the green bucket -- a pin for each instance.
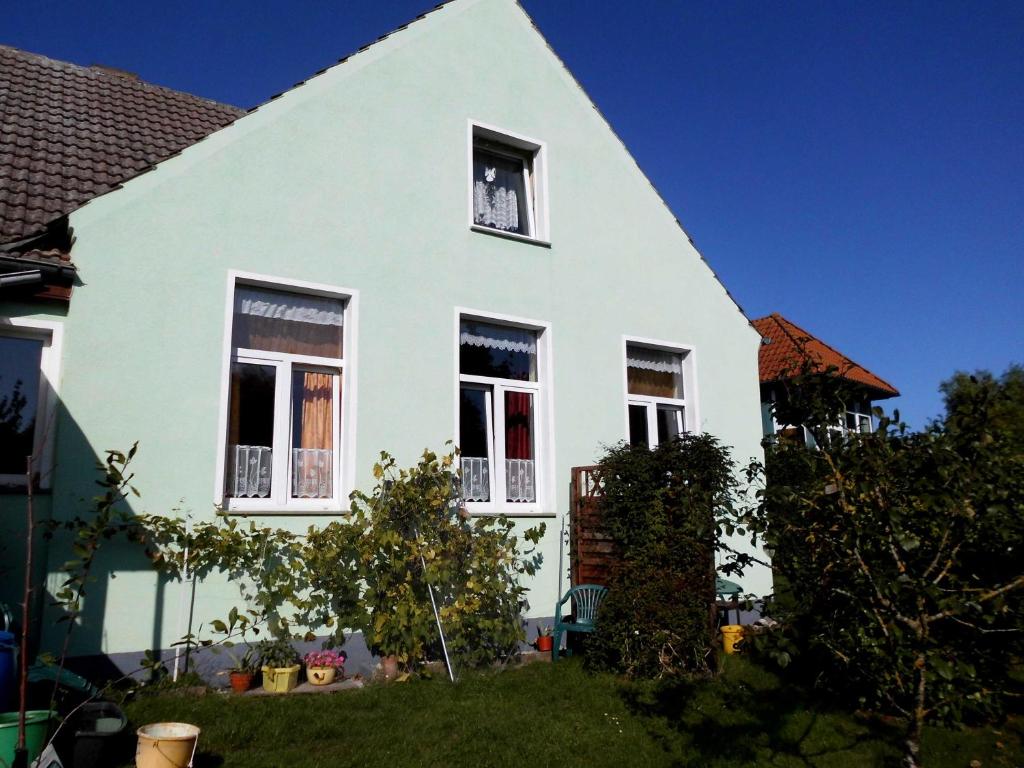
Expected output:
(37, 723)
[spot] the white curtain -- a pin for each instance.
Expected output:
(654, 360)
(476, 479)
(250, 474)
(501, 337)
(499, 191)
(495, 206)
(293, 307)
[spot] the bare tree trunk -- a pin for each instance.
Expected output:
(912, 745)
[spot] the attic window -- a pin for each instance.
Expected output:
(507, 184)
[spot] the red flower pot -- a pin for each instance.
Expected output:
(544, 643)
(241, 681)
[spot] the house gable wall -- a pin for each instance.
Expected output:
(358, 178)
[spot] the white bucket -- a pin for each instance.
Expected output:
(166, 745)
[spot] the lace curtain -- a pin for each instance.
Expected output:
(503, 337)
(654, 372)
(499, 192)
(280, 321)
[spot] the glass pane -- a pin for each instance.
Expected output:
(654, 372)
(251, 430)
(313, 419)
(476, 475)
(499, 192)
(280, 321)
(520, 475)
(638, 425)
(497, 350)
(19, 395)
(670, 424)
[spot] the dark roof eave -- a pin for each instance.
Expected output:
(63, 273)
(877, 393)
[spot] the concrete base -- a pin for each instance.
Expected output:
(348, 684)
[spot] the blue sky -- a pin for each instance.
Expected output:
(855, 166)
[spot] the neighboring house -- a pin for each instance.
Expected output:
(408, 248)
(786, 350)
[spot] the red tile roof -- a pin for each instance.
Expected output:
(789, 346)
(69, 133)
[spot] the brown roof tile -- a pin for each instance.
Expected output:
(790, 346)
(69, 133)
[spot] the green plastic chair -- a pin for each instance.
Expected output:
(586, 599)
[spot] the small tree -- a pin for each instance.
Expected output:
(415, 535)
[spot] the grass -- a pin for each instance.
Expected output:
(559, 715)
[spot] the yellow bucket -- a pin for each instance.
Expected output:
(280, 679)
(166, 745)
(732, 637)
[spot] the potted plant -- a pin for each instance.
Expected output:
(543, 641)
(243, 670)
(280, 664)
(323, 666)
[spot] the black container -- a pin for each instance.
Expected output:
(97, 735)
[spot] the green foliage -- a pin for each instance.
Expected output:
(663, 509)
(897, 560)
(981, 404)
(276, 653)
(371, 572)
(415, 534)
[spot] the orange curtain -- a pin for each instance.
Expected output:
(317, 410)
(654, 383)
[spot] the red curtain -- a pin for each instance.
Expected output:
(518, 425)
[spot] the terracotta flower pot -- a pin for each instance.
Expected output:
(389, 667)
(544, 643)
(321, 675)
(241, 681)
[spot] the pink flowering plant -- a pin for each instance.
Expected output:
(328, 658)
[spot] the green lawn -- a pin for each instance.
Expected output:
(543, 715)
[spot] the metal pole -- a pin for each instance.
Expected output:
(437, 617)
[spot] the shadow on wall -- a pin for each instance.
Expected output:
(150, 606)
(73, 483)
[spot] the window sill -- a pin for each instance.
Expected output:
(511, 510)
(331, 508)
(510, 235)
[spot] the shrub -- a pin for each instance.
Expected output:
(662, 509)
(899, 552)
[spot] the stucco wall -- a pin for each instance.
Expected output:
(358, 179)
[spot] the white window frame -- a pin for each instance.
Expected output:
(534, 154)
(858, 413)
(543, 416)
(688, 402)
(281, 502)
(51, 333)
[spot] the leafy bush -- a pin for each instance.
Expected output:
(897, 559)
(662, 509)
(414, 534)
(372, 571)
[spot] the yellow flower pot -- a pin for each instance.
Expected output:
(321, 675)
(280, 679)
